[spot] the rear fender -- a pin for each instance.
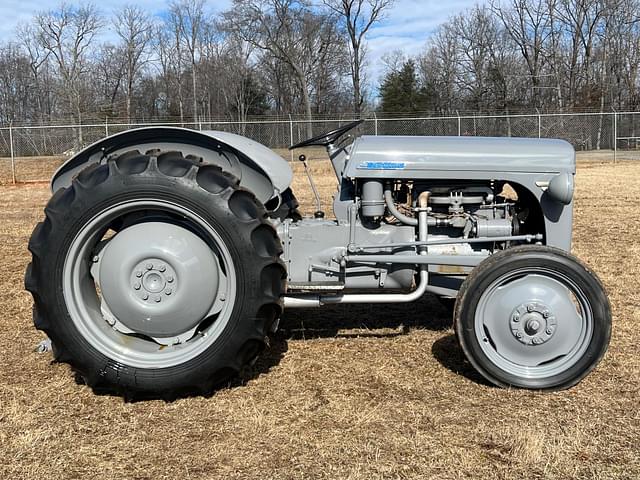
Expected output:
(259, 169)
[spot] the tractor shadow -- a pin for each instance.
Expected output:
(381, 321)
(365, 320)
(342, 321)
(448, 353)
(269, 358)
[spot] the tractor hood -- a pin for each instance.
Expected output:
(403, 156)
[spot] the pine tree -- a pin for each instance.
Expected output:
(401, 91)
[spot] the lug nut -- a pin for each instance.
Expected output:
(96, 259)
(145, 296)
(516, 318)
(149, 266)
(138, 274)
(519, 335)
(157, 298)
(167, 291)
(529, 308)
(136, 286)
(549, 331)
(545, 314)
(169, 278)
(162, 268)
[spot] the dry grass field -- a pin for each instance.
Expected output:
(349, 392)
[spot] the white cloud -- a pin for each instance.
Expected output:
(13, 12)
(407, 27)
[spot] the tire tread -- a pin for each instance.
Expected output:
(266, 303)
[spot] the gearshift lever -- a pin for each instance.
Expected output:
(318, 213)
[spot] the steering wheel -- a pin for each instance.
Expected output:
(328, 138)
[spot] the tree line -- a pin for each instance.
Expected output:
(281, 57)
(259, 57)
(523, 55)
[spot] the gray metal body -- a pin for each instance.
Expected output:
(319, 246)
(454, 156)
(527, 163)
(407, 208)
(355, 252)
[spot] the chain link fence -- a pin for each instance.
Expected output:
(32, 153)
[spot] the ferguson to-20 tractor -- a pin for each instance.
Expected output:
(167, 255)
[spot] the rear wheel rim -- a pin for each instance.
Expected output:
(533, 323)
(138, 349)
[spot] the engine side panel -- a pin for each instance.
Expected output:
(313, 249)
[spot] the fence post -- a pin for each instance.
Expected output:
(539, 123)
(106, 126)
(615, 136)
(13, 158)
(291, 135)
(459, 125)
(375, 123)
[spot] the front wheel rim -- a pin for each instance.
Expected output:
(534, 323)
(136, 349)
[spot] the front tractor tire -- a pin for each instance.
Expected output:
(533, 317)
(155, 275)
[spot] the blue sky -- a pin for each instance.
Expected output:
(407, 25)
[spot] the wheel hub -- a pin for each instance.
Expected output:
(153, 280)
(533, 323)
(157, 279)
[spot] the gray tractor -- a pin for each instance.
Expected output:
(167, 255)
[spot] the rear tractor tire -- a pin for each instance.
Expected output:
(155, 275)
(533, 317)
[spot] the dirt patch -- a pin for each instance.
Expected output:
(357, 392)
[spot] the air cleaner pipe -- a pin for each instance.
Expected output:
(388, 198)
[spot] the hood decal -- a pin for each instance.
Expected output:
(381, 166)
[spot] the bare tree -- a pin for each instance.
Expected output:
(528, 24)
(309, 56)
(439, 67)
(281, 84)
(581, 19)
(134, 28)
(393, 60)
(358, 16)
(189, 22)
(238, 78)
(38, 58)
(477, 36)
(108, 75)
(328, 74)
(228, 75)
(171, 56)
(15, 84)
(290, 31)
(67, 34)
(623, 45)
(557, 53)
